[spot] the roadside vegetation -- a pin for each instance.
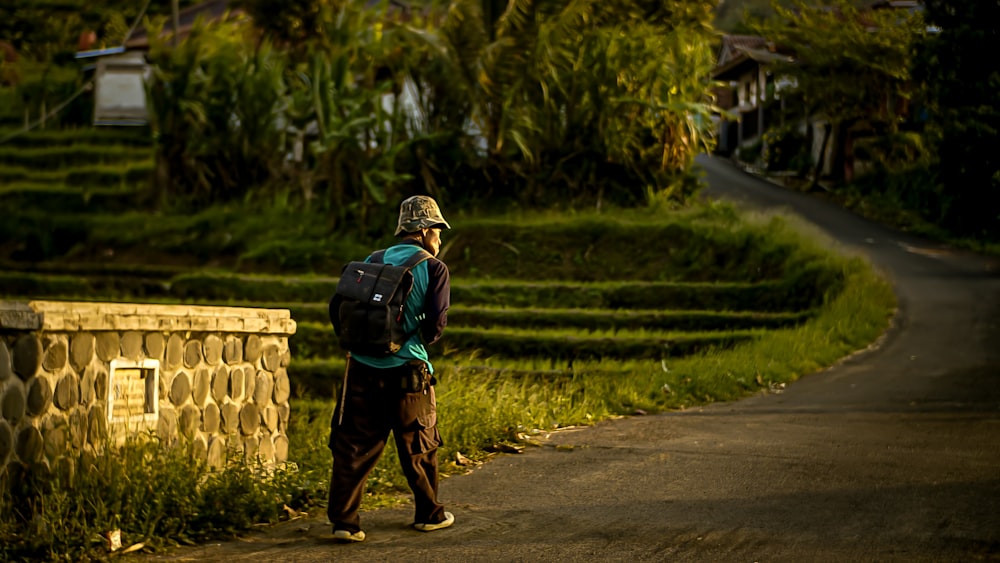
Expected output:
(589, 283)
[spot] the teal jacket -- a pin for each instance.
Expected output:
(426, 311)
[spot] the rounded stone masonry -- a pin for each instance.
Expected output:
(188, 421)
(263, 388)
(39, 395)
(175, 351)
(220, 384)
(6, 442)
(220, 380)
(236, 380)
(6, 371)
(249, 419)
(199, 448)
(212, 349)
(232, 351)
(230, 418)
(180, 389)
(29, 445)
(265, 452)
(78, 429)
(250, 446)
(202, 382)
(280, 449)
(216, 456)
(269, 416)
(88, 386)
(166, 426)
(192, 354)
(56, 354)
(27, 357)
(15, 401)
(253, 349)
(249, 381)
(67, 393)
(155, 345)
(282, 387)
(211, 419)
(108, 346)
(81, 351)
(272, 358)
(97, 426)
(55, 435)
(132, 345)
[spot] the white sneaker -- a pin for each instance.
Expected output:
(348, 537)
(449, 519)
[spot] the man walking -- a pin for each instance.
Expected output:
(395, 393)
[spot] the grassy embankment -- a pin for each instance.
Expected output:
(559, 319)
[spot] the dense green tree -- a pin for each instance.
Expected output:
(848, 67)
(961, 74)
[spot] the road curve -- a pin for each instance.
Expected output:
(893, 455)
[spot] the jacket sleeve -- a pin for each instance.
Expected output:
(437, 301)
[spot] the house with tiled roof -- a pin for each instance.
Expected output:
(748, 88)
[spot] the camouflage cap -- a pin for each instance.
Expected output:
(419, 212)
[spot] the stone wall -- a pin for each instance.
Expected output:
(75, 375)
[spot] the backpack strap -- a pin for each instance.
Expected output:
(421, 255)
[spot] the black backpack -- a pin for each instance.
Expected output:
(367, 309)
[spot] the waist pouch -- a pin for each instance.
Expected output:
(411, 377)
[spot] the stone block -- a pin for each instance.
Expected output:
(249, 419)
(265, 452)
(132, 345)
(27, 356)
(220, 384)
(155, 345)
(180, 388)
(175, 351)
(77, 428)
(236, 381)
(253, 349)
(282, 387)
(280, 449)
(108, 346)
(56, 354)
(230, 418)
(232, 351)
(263, 387)
(269, 416)
(249, 381)
(166, 426)
(39, 395)
(67, 394)
(6, 370)
(189, 420)
(81, 350)
(216, 456)
(6, 442)
(14, 403)
(192, 354)
(272, 358)
(202, 383)
(211, 418)
(250, 446)
(101, 384)
(55, 435)
(29, 445)
(97, 425)
(212, 348)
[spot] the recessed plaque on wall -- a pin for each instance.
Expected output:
(133, 393)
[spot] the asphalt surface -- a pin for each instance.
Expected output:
(892, 455)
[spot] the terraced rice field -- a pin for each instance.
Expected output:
(571, 318)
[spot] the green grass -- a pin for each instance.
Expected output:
(71, 155)
(581, 341)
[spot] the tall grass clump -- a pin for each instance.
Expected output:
(155, 494)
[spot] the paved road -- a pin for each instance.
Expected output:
(893, 455)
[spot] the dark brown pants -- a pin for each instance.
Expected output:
(372, 406)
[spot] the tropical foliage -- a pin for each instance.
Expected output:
(561, 101)
(850, 68)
